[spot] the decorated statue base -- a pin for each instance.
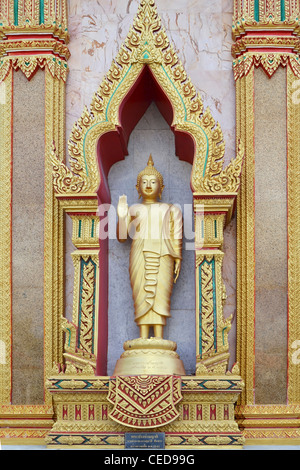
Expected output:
(193, 412)
(155, 356)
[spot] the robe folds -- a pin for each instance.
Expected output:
(156, 243)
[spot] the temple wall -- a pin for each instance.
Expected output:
(201, 34)
(243, 60)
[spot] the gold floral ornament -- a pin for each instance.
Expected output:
(147, 44)
(223, 180)
(64, 180)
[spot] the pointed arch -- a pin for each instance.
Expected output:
(147, 49)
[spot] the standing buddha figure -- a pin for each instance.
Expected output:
(156, 250)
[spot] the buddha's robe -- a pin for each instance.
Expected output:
(156, 244)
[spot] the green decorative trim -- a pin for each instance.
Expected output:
(106, 112)
(212, 262)
(70, 334)
(256, 10)
(282, 10)
(42, 12)
(190, 122)
(16, 12)
(200, 311)
(82, 264)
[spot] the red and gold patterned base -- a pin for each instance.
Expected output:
(146, 401)
(193, 411)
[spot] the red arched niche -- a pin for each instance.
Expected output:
(112, 147)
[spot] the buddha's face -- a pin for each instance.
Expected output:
(149, 187)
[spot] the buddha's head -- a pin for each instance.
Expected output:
(150, 183)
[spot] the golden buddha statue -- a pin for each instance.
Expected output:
(155, 256)
(155, 262)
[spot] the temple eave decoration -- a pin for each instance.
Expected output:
(34, 35)
(266, 36)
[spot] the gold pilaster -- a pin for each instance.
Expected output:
(79, 349)
(5, 237)
(81, 335)
(54, 223)
(266, 35)
(245, 238)
(212, 213)
(293, 130)
(43, 26)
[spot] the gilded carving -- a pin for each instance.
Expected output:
(212, 329)
(293, 164)
(5, 237)
(245, 239)
(49, 16)
(87, 312)
(80, 346)
(272, 424)
(268, 61)
(144, 401)
(264, 15)
(76, 406)
(147, 44)
(206, 410)
(270, 48)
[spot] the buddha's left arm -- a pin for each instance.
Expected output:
(176, 231)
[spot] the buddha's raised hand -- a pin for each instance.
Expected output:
(122, 207)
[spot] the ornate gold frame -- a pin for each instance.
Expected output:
(5, 242)
(293, 114)
(214, 188)
(73, 190)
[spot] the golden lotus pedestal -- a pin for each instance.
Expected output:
(151, 356)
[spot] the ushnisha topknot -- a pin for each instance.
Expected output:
(150, 170)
